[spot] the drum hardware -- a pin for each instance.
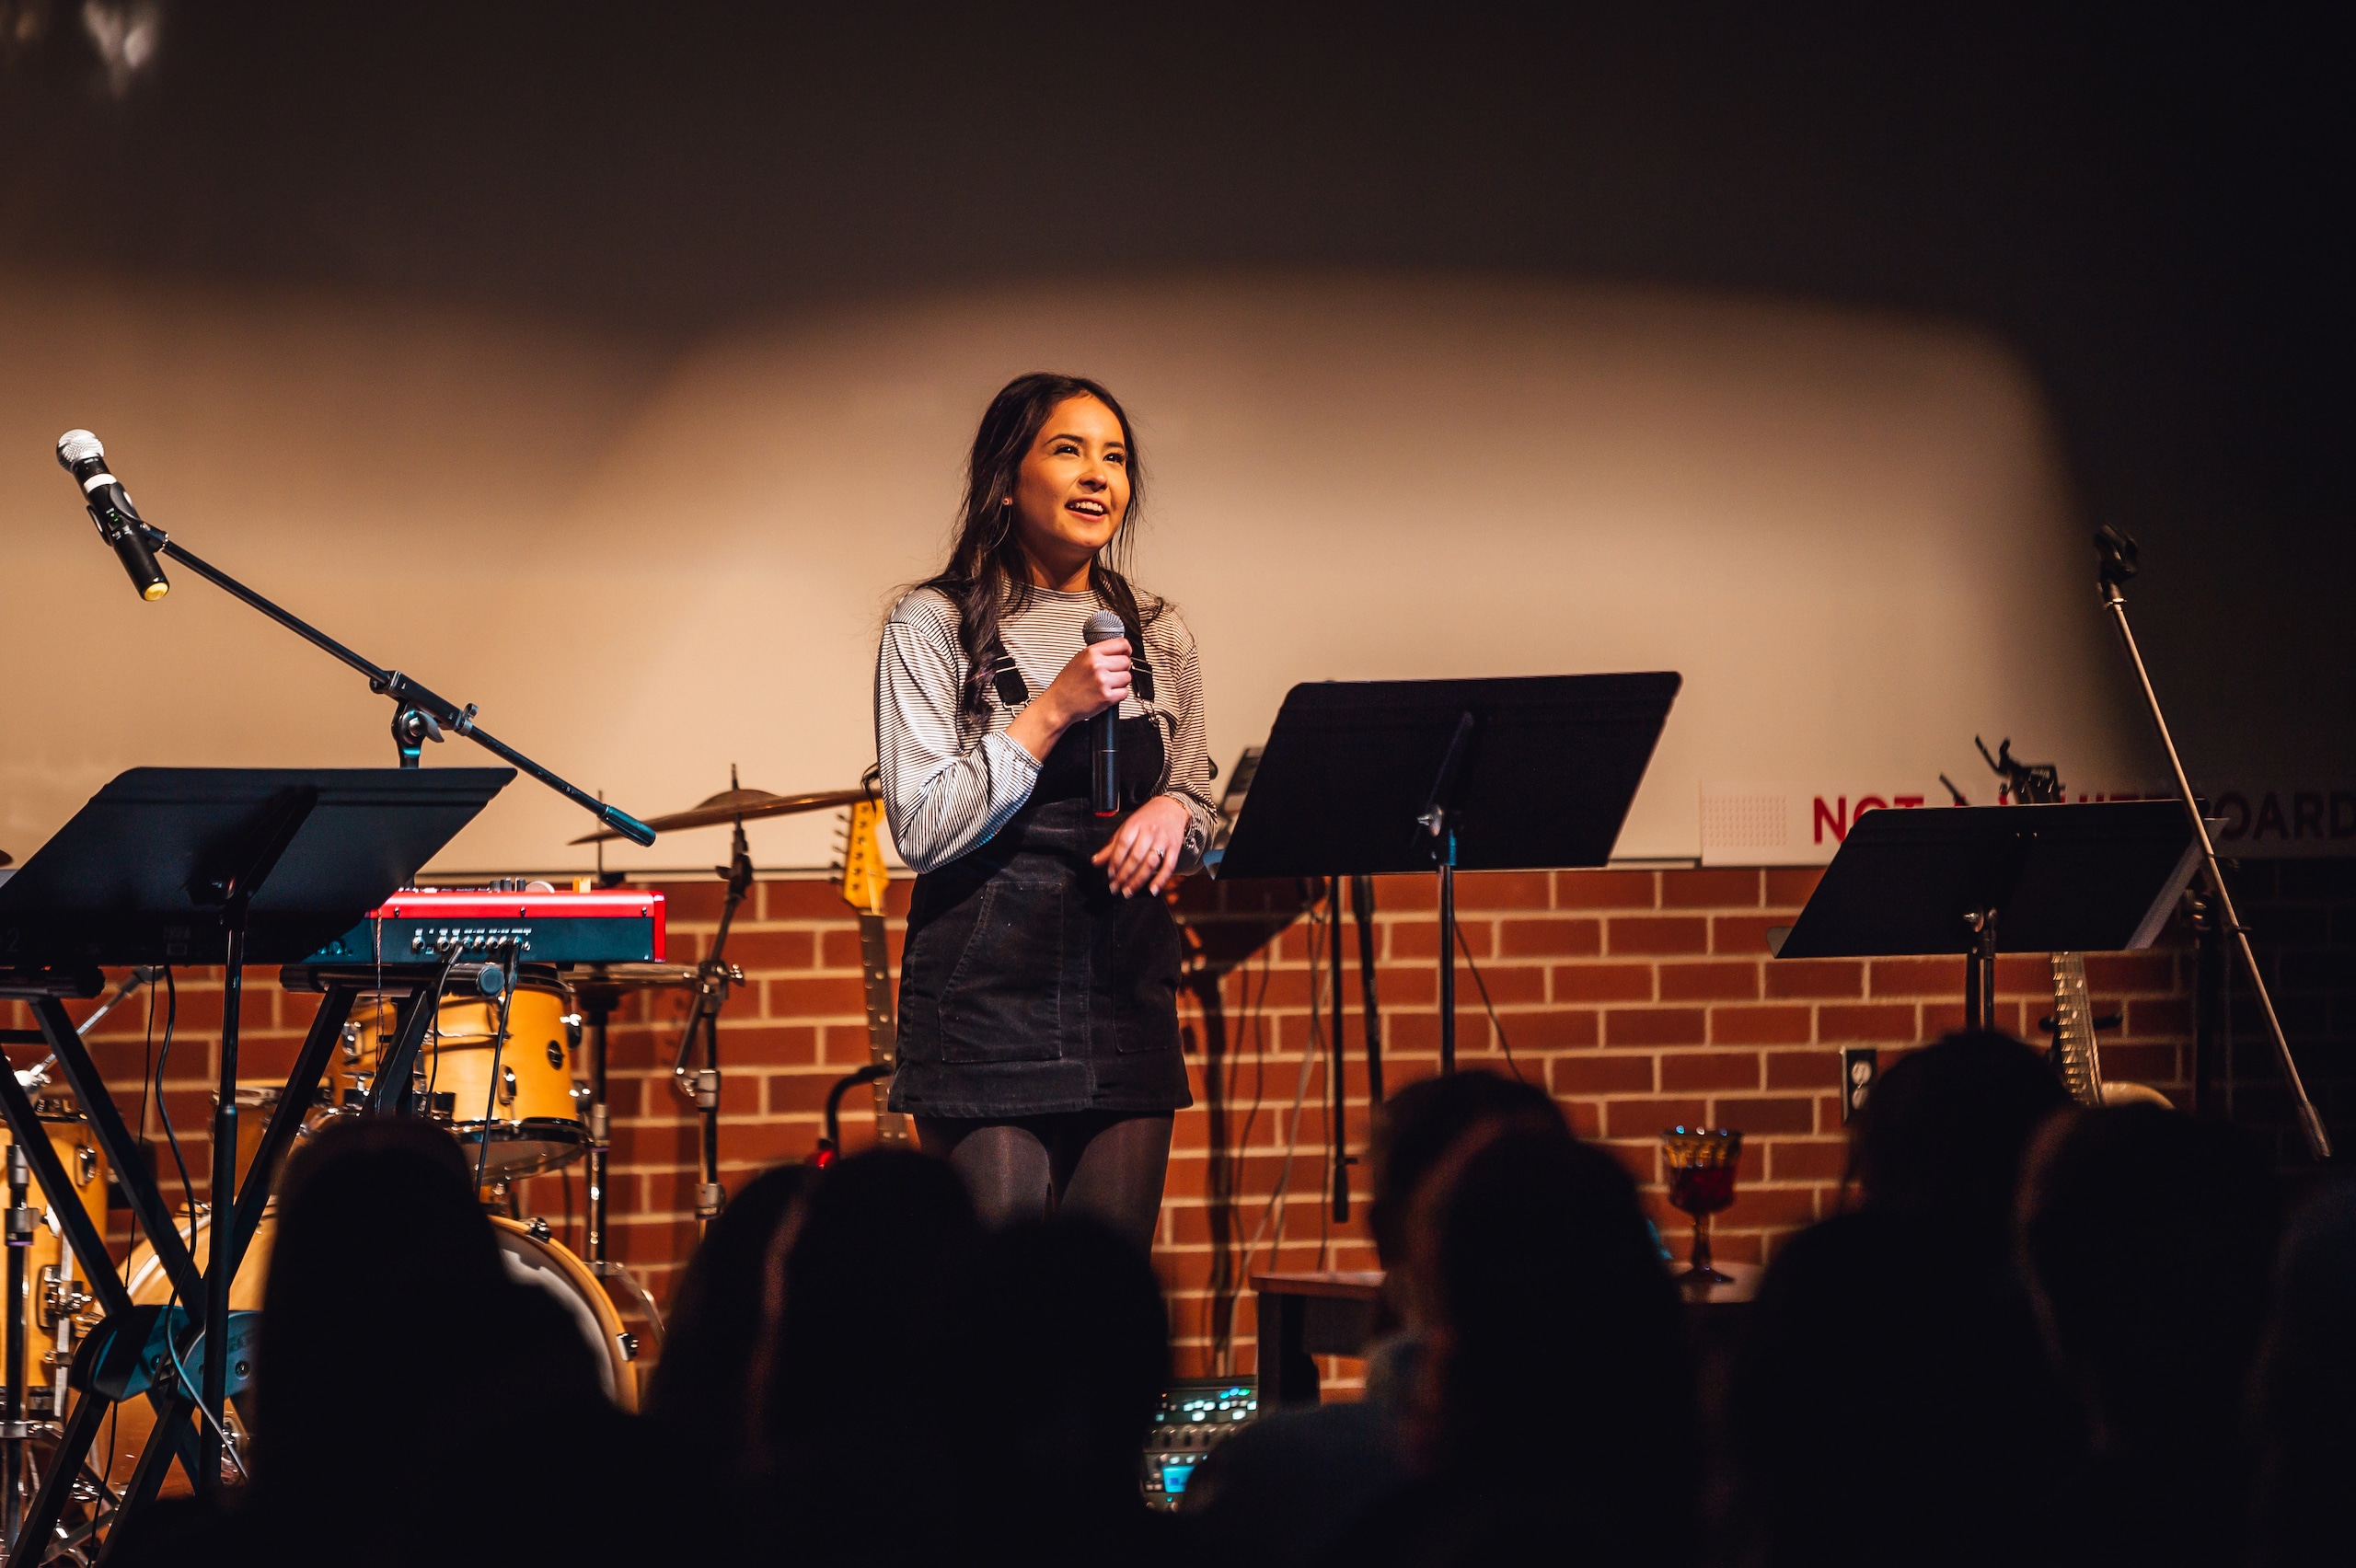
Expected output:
(601, 988)
(537, 1227)
(733, 806)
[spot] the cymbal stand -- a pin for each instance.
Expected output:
(600, 1009)
(2118, 556)
(713, 977)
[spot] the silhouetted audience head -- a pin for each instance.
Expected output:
(1416, 1129)
(862, 1294)
(1942, 1133)
(1557, 1367)
(1060, 1334)
(384, 1280)
(702, 1389)
(2150, 1239)
(2305, 1387)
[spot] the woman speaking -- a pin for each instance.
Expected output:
(1038, 1020)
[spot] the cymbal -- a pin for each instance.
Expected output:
(730, 805)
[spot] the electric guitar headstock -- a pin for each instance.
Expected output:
(865, 876)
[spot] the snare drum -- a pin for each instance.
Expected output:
(535, 1111)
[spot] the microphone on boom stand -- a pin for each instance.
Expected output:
(1104, 759)
(79, 453)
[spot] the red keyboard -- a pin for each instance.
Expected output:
(433, 925)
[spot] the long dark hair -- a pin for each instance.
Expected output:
(988, 575)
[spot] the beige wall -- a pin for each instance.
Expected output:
(1848, 531)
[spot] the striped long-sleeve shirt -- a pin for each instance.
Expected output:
(944, 792)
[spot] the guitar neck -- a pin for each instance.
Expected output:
(875, 969)
(2073, 1030)
(883, 1030)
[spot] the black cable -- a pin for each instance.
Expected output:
(163, 1105)
(147, 1066)
(1503, 1042)
(498, 1045)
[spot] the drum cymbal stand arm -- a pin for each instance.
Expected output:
(421, 715)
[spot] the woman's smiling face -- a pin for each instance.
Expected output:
(1072, 491)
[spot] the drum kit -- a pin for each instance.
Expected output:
(514, 1066)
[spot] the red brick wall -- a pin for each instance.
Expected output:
(1641, 998)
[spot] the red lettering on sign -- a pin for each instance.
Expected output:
(1907, 800)
(1839, 824)
(1867, 803)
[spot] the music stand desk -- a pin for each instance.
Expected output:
(196, 866)
(1526, 773)
(1976, 881)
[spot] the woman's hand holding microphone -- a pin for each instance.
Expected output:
(1144, 853)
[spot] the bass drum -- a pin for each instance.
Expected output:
(544, 1265)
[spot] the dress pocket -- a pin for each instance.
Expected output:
(1146, 960)
(1004, 999)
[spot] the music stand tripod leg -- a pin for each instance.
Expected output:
(40, 1522)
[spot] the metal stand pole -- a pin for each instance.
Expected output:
(2118, 554)
(13, 1425)
(1448, 959)
(220, 1260)
(1979, 972)
(713, 977)
(1362, 910)
(1438, 822)
(1338, 1130)
(600, 1141)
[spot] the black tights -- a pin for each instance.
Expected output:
(1108, 1164)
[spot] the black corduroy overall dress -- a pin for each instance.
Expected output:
(1029, 988)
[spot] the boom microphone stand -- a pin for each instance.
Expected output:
(420, 715)
(2117, 553)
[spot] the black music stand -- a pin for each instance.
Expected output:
(207, 866)
(1530, 773)
(1978, 881)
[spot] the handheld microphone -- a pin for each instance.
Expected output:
(79, 453)
(1104, 760)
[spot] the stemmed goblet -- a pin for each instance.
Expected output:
(1701, 1183)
